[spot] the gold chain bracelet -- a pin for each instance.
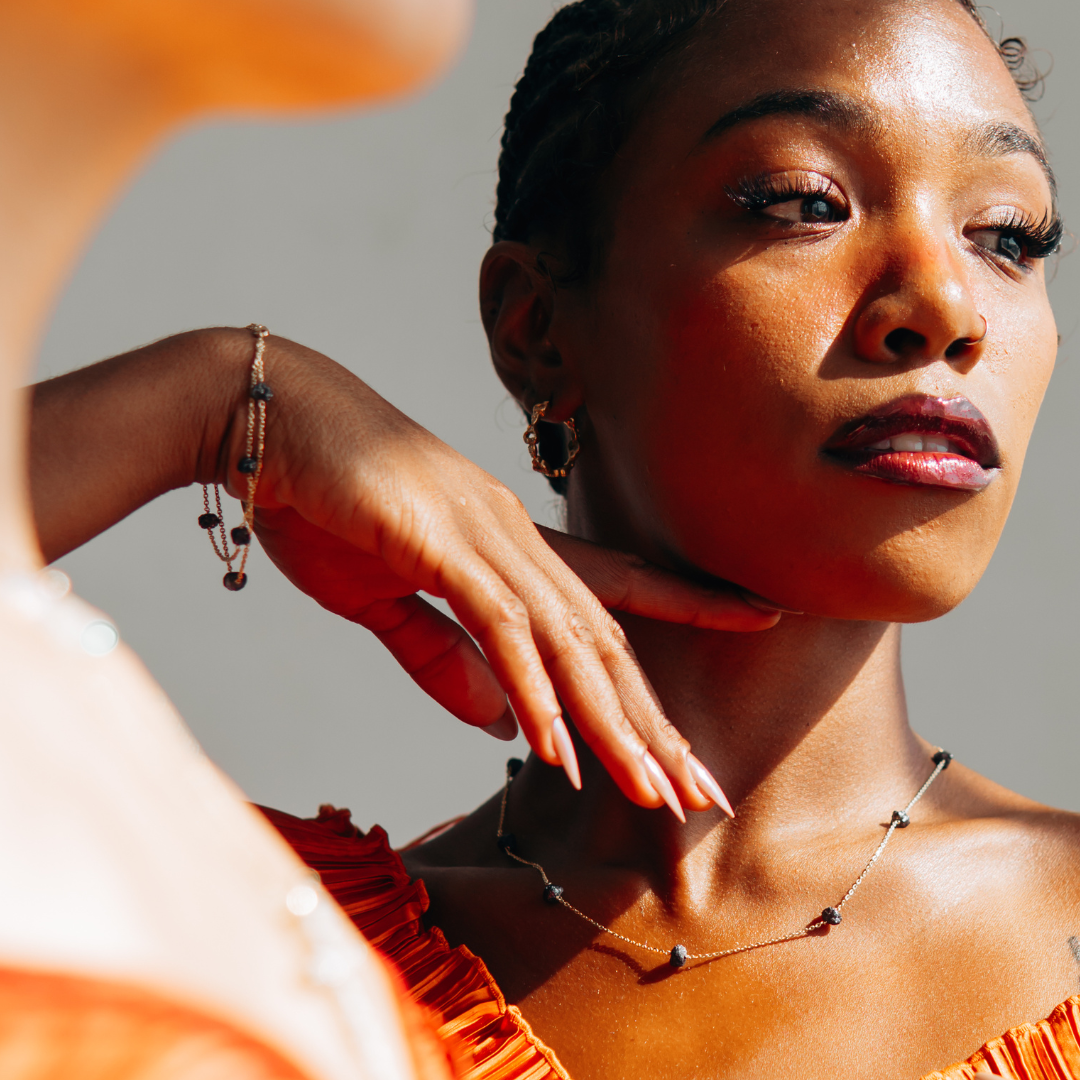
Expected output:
(251, 465)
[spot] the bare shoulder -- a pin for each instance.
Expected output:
(1032, 847)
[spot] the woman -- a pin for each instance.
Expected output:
(151, 923)
(780, 263)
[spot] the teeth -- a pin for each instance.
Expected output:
(911, 442)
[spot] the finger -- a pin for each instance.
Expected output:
(500, 623)
(629, 583)
(667, 748)
(693, 785)
(441, 659)
(438, 654)
(569, 644)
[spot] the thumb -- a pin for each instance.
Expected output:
(628, 583)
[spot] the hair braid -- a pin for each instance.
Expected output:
(573, 106)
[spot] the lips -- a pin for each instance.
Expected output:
(920, 440)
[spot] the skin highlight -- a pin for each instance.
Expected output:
(708, 359)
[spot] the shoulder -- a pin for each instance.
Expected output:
(1006, 869)
(1020, 835)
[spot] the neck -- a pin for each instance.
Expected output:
(74, 121)
(805, 726)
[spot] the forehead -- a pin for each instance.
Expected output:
(920, 67)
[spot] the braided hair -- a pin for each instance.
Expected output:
(573, 108)
(578, 97)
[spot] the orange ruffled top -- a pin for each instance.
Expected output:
(488, 1039)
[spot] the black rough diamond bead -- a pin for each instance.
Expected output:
(240, 535)
(234, 581)
(209, 521)
(247, 464)
(678, 956)
(261, 392)
(940, 756)
(513, 767)
(552, 893)
(900, 819)
(507, 842)
(832, 916)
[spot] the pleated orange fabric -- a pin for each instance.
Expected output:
(1048, 1050)
(490, 1040)
(487, 1039)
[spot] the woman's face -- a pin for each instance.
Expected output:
(814, 351)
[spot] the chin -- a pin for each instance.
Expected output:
(875, 588)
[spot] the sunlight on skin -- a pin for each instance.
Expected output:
(87, 90)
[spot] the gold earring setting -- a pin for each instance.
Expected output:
(532, 441)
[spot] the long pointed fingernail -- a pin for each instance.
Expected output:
(708, 785)
(505, 728)
(767, 605)
(662, 785)
(564, 747)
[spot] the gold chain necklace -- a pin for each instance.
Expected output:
(677, 956)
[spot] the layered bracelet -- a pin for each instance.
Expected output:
(251, 465)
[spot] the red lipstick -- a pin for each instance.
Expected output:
(928, 441)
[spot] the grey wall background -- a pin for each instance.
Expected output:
(361, 237)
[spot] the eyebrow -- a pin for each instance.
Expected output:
(839, 110)
(993, 140)
(1003, 138)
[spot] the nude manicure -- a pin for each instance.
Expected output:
(662, 785)
(564, 748)
(505, 728)
(708, 785)
(767, 606)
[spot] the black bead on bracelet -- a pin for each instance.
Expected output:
(259, 393)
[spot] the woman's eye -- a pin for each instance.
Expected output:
(999, 243)
(807, 210)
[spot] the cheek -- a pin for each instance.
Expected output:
(1017, 370)
(711, 407)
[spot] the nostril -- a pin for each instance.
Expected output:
(903, 342)
(959, 347)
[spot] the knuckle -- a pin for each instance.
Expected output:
(579, 631)
(632, 564)
(504, 498)
(432, 667)
(511, 614)
(674, 745)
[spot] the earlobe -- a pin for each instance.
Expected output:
(517, 305)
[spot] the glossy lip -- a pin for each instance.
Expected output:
(971, 468)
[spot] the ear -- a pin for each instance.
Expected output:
(517, 305)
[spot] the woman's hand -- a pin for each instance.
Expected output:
(363, 509)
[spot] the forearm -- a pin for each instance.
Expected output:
(111, 437)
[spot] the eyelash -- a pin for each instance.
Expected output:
(1039, 238)
(757, 193)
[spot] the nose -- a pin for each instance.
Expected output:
(923, 311)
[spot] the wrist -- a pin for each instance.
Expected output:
(221, 360)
